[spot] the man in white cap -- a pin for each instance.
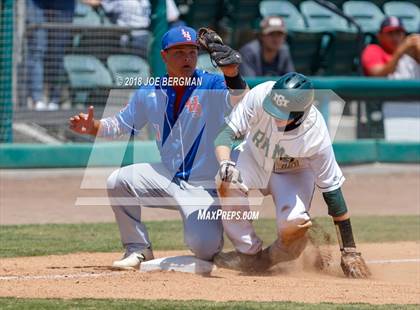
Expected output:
(268, 55)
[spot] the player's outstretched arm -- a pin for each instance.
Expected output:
(228, 175)
(352, 262)
(85, 123)
(227, 59)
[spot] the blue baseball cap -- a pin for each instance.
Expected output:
(181, 35)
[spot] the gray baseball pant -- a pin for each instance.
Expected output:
(152, 185)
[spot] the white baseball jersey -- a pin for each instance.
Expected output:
(267, 147)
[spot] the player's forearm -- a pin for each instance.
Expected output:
(223, 153)
(109, 128)
(336, 204)
(223, 143)
(237, 86)
(338, 210)
(235, 99)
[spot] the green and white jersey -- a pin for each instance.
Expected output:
(273, 149)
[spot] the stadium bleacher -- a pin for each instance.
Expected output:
(321, 42)
(86, 74)
(128, 66)
(367, 15)
(408, 12)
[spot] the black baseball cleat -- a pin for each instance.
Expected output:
(235, 260)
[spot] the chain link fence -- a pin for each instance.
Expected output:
(57, 59)
(68, 55)
(6, 50)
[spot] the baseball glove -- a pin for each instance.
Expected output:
(220, 54)
(353, 264)
(229, 176)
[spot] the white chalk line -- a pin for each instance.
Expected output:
(62, 276)
(393, 261)
(106, 274)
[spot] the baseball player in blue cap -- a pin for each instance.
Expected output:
(185, 109)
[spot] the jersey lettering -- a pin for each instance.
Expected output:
(258, 137)
(278, 151)
(266, 146)
(194, 106)
(262, 142)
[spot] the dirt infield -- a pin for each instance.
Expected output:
(395, 268)
(49, 196)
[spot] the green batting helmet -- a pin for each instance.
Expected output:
(290, 98)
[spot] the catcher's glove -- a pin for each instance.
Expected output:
(229, 177)
(353, 264)
(220, 53)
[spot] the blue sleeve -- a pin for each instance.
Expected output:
(219, 82)
(133, 116)
(130, 119)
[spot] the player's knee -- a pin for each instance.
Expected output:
(204, 251)
(118, 191)
(293, 228)
(118, 182)
(114, 181)
(204, 247)
(292, 222)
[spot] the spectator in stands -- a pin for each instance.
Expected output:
(397, 56)
(43, 43)
(268, 55)
(136, 13)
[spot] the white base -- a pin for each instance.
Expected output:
(190, 264)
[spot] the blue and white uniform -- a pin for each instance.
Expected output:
(184, 180)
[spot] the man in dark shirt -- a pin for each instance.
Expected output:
(268, 55)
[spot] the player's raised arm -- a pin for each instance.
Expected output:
(227, 59)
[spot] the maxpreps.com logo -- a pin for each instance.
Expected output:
(186, 34)
(279, 100)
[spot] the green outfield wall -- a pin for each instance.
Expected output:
(117, 153)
